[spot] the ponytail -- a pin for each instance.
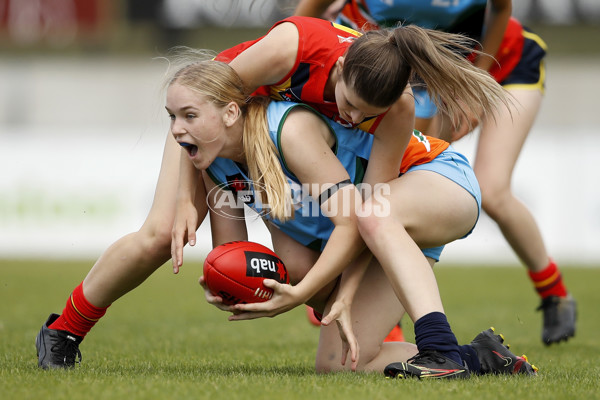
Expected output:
(264, 168)
(453, 83)
(379, 65)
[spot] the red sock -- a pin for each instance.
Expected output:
(548, 282)
(79, 316)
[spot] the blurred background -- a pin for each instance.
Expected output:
(82, 122)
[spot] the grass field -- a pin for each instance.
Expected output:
(162, 341)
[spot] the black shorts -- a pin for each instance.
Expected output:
(530, 72)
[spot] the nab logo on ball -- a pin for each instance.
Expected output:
(265, 266)
(235, 272)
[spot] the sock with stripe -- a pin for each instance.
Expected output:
(79, 315)
(548, 282)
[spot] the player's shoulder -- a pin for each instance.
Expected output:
(281, 42)
(285, 31)
(292, 28)
(303, 123)
(302, 113)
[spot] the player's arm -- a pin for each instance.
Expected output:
(186, 213)
(341, 307)
(306, 142)
(496, 20)
(390, 140)
(270, 59)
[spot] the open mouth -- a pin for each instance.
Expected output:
(190, 148)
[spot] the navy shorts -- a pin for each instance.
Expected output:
(530, 71)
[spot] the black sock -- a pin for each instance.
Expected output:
(469, 356)
(432, 332)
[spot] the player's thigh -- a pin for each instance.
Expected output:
(433, 209)
(501, 140)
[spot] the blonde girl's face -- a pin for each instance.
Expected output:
(196, 124)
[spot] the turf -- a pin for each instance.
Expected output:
(162, 341)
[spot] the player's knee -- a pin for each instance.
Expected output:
(156, 241)
(370, 225)
(325, 364)
(493, 200)
(331, 362)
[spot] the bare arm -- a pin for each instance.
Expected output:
(497, 16)
(389, 144)
(391, 139)
(311, 159)
(186, 217)
(349, 282)
(308, 154)
(306, 144)
(270, 59)
(340, 310)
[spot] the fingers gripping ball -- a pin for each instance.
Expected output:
(235, 272)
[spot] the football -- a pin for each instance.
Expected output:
(235, 272)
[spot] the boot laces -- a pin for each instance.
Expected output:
(67, 351)
(426, 355)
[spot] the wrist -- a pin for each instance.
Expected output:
(344, 299)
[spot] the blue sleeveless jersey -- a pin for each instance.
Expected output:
(308, 226)
(455, 16)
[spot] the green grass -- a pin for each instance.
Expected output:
(162, 341)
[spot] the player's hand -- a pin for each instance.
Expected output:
(184, 230)
(216, 301)
(284, 299)
(340, 313)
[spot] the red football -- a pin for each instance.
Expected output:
(235, 272)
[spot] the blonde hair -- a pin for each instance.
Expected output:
(379, 64)
(221, 85)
